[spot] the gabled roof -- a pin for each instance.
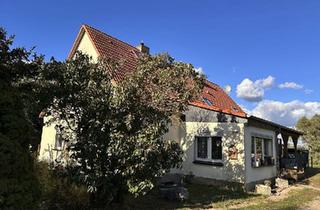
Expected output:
(110, 47)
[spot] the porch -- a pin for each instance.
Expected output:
(290, 158)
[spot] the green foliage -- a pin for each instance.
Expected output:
(18, 185)
(116, 131)
(59, 191)
(311, 129)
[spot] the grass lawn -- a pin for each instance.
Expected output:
(200, 197)
(206, 197)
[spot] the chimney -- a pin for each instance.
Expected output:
(142, 48)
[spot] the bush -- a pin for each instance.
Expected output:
(19, 188)
(59, 191)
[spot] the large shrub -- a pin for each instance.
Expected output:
(58, 189)
(18, 185)
(118, 129)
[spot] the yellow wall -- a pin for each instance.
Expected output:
(47, 141)
(87, 47)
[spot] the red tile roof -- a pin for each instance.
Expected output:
(110, 47)
(220, 100)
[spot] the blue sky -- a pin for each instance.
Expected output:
(230, 40)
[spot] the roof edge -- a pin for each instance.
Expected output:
(275, 124)
(82, 31)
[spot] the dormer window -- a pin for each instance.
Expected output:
(207, 101)
(235, 109)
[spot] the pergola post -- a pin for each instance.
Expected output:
(278, 150)
(295, 142)
(285, 138)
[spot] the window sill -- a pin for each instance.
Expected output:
(209, 163)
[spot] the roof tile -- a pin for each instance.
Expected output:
(113, 48)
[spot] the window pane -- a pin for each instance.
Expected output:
(216, 148)
(267, 147)
(58, 143)
(258, 148)
(252, 145)
(202, 145)
(207, 101)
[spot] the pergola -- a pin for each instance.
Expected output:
(286, 133)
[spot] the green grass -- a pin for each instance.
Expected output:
(204, 197)
(295, 200)
(200, 197)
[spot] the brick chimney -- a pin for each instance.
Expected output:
(142, 48)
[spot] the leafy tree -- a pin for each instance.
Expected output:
(311, 129)
(117, 129)
(18, 186)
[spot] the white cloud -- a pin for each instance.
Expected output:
(290, 85)
(266, 82)
(199, 70)
(254, 91)
(285, 113)
(227, 89)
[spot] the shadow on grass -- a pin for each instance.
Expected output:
(310, 172)
(200, 197)
(312, 177)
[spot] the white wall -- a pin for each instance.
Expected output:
(231, 133)
(86, 47)
(48, 137)
(264, 172)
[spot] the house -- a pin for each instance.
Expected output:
(220, 141)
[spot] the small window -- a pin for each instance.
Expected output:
(58, 142)
(58, 138)
(207, 101)
(235, 109)
(216, 148)
(202, 143)
(261, 152)
(208, 149)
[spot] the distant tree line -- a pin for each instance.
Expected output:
(311, 134)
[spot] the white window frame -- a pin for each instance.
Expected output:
(263, 138)
(209, 150)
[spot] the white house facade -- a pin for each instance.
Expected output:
(219, 140)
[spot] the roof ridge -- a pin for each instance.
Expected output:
(105, 34)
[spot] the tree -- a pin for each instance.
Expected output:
(18, 185)
(311, 133)
(117, 130)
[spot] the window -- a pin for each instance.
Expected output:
(202, 151)
(207, 101)
(58, 143)
(261, 151)
(208, 149)
(58, 139)
(216, 144)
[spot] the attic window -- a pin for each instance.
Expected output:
(235, 109)
(207, 101)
